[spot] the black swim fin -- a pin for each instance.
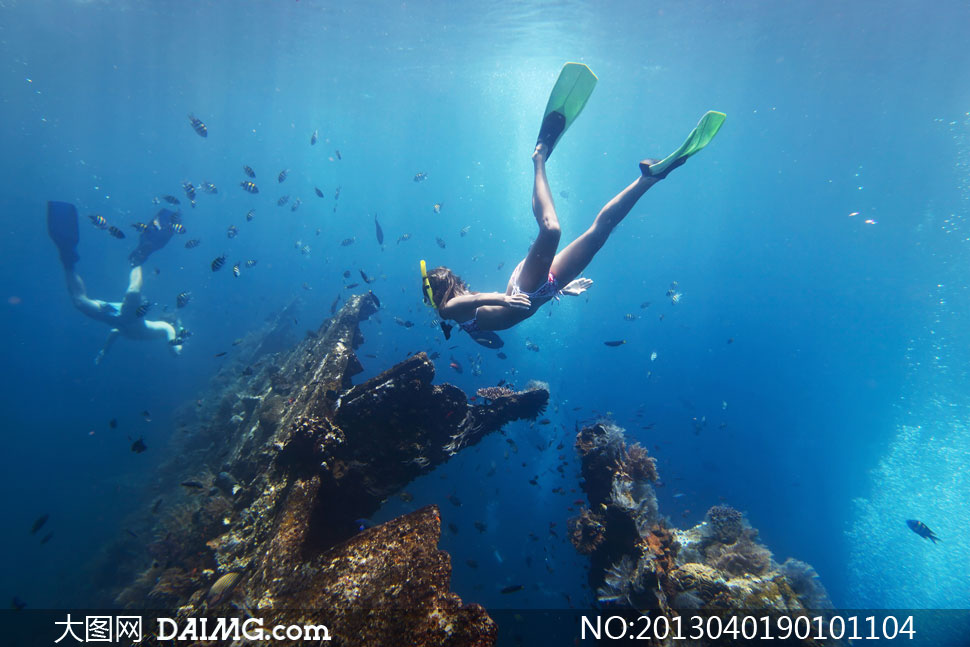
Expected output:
(157, 235)
(487, 338)
(63, 230)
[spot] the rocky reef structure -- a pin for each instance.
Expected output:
(640, 562)
(278, 474)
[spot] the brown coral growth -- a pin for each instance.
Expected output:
(638, 464)
(493, 392)
(587, 531)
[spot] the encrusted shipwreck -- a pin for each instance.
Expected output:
(639, 562)
(300, 456)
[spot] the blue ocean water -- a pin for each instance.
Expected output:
(813, 375)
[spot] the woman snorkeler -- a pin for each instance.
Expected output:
(546, 272)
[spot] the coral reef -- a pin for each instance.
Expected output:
(284, 460)
(493, 392)
(638, 562)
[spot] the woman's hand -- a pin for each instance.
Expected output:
(519, 301)
(577, 287)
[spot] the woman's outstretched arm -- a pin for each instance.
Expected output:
(462, 308)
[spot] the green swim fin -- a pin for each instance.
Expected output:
(569, 96)
(698, 138)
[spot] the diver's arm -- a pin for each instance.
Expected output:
(462, 308)
(112, 336)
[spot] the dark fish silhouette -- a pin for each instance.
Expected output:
(339, 156)
(249, 187)
(114, 231)
(218, 263)
(366, 278)
(283, 200)
(171, 199)
(183, 299)
(347, 241)
(380, 232)
(249, 171)
(440, 242)
(615, 343)
(420, 177)
(139, 446)
(39, 523)
(250, 215)
(282, 176)
(920, 529)
(313, 138)
(198, 126)
(318, 192)
(511, 589)
(192, 243)
(193, 485)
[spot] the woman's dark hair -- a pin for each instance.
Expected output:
(445, 285)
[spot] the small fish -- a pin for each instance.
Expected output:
(313, 138)
(564, 194)
(501, 355)
(403, 322)
(98, 221)
(236, 271)
(336, 195)
(114, 231)
(437, 207)
(453, 500)
(178, 228)
(511, 589)
(171, 199)
(146, 415)
(318, 192)
(139, 446)
(407, 497)
(305, 250)
(232, 232)
(296, 204)
(222, 354)
(189, 191)
(306, 286)
(222, 588)
(113, 423)
(348, 241)
(645, 304)
(545, 421)
(251, 262)
(191, 244)
(455, 366)
(366, 278)
(420, 177)
(339, 156)
(440, 242)
(453, 527)
(380, 232)
(198, 126)
(480, 527)
(922, 530)
(346, 274)
(615, 343)
(283, 200)
(157, 505)
(139, 227)
(630, 316)
(730, 340)
(39, 523)
(183, 299)
(464, 230)
(403, 238)
(142, 310)
(471, 563)
(653, 356)
(351, 286)
(249, 187)
(218, 262)
(193, 485)
(209, 188)
(248, 170)
(282, 176)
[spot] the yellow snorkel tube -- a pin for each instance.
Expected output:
(426, 284)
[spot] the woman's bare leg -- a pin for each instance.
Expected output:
(576, 256)
(535, 268)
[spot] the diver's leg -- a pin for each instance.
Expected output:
(535, 268)
(75, 286)
(576, 256)
(133, 295)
